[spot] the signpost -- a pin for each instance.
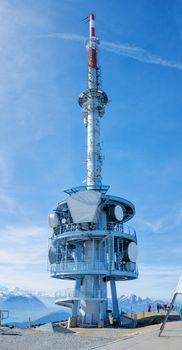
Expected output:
(177, 291)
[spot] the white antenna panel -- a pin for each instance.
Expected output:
(118, 212)
(132, 252)
(53, 220)
(83, 206)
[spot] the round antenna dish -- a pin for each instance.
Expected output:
(63, 221)
(118, 212)
(55, 255)
(52, 255)
(132, 251)
(53, 220)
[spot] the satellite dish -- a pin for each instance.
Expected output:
(53, 220)
(52, 255)
(118, 212)
(55, 255)
(63, 221)
(132, 251)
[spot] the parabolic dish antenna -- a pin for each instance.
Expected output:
(52, 255)
(53, 220)
(132, 252)
(118, 212)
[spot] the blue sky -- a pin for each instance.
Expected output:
(43, 140)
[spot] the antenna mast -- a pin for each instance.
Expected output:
(93, 102)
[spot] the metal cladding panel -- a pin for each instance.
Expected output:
(83, 206)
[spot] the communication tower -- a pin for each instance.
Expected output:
(90, 243)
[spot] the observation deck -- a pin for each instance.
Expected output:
(70, 294)
(69, 270)
(112, 240)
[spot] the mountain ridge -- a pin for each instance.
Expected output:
(127, 303)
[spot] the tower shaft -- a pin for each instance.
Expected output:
(94, 158)
(92, 102)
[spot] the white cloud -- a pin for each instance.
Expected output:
(23, 262)
(166, 223)
(27, 245)
(153, 282)
(123, 49)
(23, 258)
(8, 204)
(139, 54)
(64, 36)
(161, 271)
(154, 225)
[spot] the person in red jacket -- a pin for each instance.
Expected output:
(149, 308)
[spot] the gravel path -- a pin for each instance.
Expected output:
(84, 339)
(36, 340)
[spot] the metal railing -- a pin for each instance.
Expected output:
(131, 267)
(80, 294)
(77, 227)
(111, 226)
(89, 266)
(103, 188)
(117, 227)
(75, 266)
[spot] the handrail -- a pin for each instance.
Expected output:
(117, 227)
(101, 188)
(111, 226)
(79, 265)
(86, 293)
(96, 266)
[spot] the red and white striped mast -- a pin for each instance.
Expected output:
(93, 102)
(92, 25)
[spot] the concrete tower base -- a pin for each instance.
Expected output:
(92, 312)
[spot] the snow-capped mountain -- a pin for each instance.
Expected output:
(134, 303)
(21, 307)
(16, 302)
(4, 291)
(24, 305)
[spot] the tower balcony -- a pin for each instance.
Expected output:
(71, 270)
(71, 294)
(84, 249)
(117, 228)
